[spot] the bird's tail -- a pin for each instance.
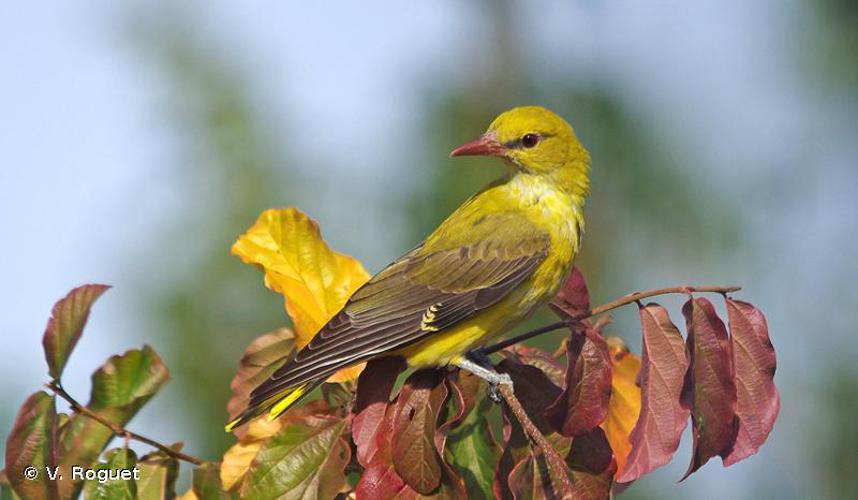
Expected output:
(274, 405)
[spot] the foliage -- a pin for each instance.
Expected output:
(580, 421)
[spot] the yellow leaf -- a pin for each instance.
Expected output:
(315, 281)
(625, 403)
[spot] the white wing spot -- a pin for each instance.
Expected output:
(428, 318)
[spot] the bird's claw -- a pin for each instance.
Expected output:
(494, 391)
(494, 394)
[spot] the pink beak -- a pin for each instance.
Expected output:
(485, 145)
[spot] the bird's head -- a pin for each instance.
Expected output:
(534, 140)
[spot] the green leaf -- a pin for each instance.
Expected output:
(119, 389)
(114, 479)
(473, 451)
(125, 383)
(66, 325)
(306, 459)
(207, 485)
(158, 472)
(30, 447)
(6, 491)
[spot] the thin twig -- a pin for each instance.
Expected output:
(636, 296)
(622, 301)
(555, 461)
(118, 430)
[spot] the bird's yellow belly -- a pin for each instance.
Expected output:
(444, 347)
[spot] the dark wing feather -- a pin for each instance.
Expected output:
(415, 297)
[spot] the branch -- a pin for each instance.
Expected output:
(622, 301)
(117, 429)
(555, 461)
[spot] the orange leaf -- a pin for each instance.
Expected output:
(315, 280)
(625, 404)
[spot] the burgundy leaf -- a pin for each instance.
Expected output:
(68, 318)
(539, 358)
(754, 363)
(583, 404)
(590, 466)
(593, 465)
(415, 457)
(573, 299)
(592, 453)
(664, 364)
(516, 447)
(710, 391)
(532, 478)
(533, 389)
(380, 478)
(373, 396)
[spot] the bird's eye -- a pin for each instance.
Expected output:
(529, 140)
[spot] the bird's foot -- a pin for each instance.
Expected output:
(494, 387)
(479, 364)
(480, 357)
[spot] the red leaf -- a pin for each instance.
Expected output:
(415, 456)
(754, 363)
(381, 479)
(583, 404)
(664, 364)
(68, 318)
(710, 391)
(573, 299)
(373, 396)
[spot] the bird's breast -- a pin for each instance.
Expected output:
(561, 217)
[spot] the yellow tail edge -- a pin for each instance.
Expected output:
(287, 402)
(283, 403)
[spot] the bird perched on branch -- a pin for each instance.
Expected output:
(497, 258)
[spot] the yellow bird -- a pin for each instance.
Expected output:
(497, 258)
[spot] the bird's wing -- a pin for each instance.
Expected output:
(424, 292)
